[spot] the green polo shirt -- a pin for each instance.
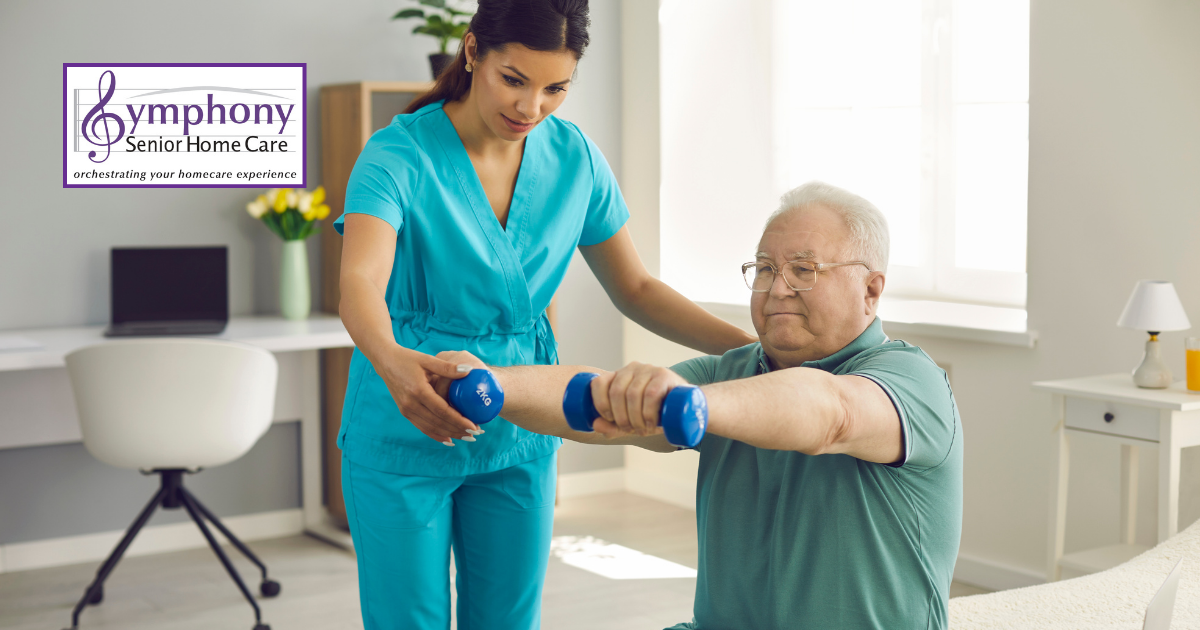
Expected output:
(795, 541)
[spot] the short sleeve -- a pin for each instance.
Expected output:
(921, 394)
(606, 211)
(383, 179)
(698, 371)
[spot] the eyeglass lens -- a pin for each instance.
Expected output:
(798, 276)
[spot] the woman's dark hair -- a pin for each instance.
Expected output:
(536, 24)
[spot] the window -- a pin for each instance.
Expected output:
(921, 106)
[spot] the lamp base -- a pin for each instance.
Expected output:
(1152, 373)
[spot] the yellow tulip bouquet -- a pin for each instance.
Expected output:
(292, 215)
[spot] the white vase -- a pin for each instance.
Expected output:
(295, 298)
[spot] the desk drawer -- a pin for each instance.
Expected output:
(1123, 420)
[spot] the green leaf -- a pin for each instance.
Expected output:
(297, 223)
(441, 4)
(272, 221)
(294, 220)
(421, 29)
(409, 13)
(460, 30)
(434, 20)
(438, 30)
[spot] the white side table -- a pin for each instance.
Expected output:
(1112, 407)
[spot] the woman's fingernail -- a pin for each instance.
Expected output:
(448, 442)
(467, 438)
(474, 431)
(463, 369)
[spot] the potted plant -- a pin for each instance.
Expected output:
(441, 21)
(293, 217)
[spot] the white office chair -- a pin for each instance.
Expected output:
(167, 406)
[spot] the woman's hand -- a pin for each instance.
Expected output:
(629, 399)
(464, 362)
(413, 379)
(462, 357)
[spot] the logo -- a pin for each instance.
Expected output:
(184, 125)
(482, 392)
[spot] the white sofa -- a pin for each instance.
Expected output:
(1116, 598)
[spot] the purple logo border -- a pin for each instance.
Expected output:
(304, 80)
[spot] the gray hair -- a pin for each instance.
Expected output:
(868, 227)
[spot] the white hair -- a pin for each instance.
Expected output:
(868, 227)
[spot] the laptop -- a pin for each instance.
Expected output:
(1158, 613)
(169, 291)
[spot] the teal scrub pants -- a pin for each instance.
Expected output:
(404, 527)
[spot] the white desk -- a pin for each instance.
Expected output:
(305, 338)
(1112, 408)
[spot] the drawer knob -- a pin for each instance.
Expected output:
(1108, 417)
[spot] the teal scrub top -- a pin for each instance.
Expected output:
(795, 541)
(460, 281)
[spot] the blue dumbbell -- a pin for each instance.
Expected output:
(477, 396)
(683, 416)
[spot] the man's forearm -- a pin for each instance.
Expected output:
(533, 397)
(787, 410)
(793, 410)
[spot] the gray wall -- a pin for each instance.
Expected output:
(61, 490)
(54, 242)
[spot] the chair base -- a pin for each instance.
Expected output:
(172, 495)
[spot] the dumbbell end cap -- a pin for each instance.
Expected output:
(478, 396)
(686, 402)
(578, 407)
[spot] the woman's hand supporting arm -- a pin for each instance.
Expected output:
(653, 304)
(368, 251)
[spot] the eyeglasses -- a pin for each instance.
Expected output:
(799, 275)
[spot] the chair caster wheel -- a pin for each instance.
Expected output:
(97, 596)
(269, 588)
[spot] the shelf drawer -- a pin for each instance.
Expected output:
(1123, 420)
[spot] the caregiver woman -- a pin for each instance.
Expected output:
(461, 217)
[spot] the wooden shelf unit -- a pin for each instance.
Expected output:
(350, 113)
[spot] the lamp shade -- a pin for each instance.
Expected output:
(1154, 307)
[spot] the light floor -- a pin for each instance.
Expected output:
(189, 590)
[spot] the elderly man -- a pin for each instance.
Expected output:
(829, 492)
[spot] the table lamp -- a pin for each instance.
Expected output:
(1154, 307)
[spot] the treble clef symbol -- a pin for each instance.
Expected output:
(90, 124)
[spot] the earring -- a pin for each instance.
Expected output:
(469, 68)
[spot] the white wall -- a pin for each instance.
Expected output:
(1114, 197)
